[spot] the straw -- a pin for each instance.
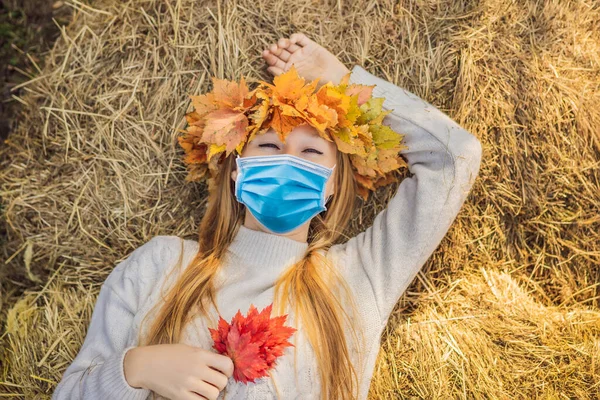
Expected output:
(506, 307)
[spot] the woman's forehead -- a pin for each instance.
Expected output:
(299, 132)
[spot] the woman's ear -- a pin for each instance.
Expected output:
(234, 174)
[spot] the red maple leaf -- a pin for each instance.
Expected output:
(253, 343)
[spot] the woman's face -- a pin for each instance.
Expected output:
(303, 141)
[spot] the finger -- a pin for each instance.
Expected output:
(270, 58)
(293, 48)
(191, 396)
(220, 363)
(206, 389)
(288, 45)
(280, 52)
(283, 43)
(275, 49)
(285, 55)
(300, 39)
(277, 63)
(275, 71)
(214, 377)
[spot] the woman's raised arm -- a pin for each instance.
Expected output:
(444, 159)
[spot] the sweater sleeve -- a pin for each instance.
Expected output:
(97, 370)
(444, 161)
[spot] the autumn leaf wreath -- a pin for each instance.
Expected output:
(229, 116)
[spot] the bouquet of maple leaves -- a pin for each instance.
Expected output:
(227, 118)
(253, 342)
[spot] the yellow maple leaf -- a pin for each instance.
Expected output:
(289, 86)
(347, 141)
(379, 119)
(366, 165)
(362, 132)
(344, 106)
(320, 115)
(370, 110)
(389, 160)
(302, 103)
(289, 111)
(214, 149)
(385, 137)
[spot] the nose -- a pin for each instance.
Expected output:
(292, 151)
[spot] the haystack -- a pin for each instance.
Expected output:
(508, 305)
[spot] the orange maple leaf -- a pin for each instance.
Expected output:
(283, 124)
(289, 86)
(364, 92)
(225, 127)
(228, 94)
(320, 115)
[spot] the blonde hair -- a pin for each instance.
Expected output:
(311, 285)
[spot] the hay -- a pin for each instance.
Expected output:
(93, 170)
(490, 338)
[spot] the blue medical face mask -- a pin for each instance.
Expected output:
(281, 191)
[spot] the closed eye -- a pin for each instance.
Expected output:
(269, 145)
(314, 151)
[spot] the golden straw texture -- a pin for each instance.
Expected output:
(507, 307)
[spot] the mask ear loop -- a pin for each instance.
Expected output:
(330, 196)
(238, 178)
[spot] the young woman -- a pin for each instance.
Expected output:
(149, 329)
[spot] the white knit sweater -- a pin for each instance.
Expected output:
(378, 264)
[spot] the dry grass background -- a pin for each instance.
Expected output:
(507, 307)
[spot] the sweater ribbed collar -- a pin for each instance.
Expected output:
(266, 249)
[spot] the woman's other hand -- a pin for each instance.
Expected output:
(178, 371)
(310, 59)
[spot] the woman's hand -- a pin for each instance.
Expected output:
(310, 59)
(178, 371)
